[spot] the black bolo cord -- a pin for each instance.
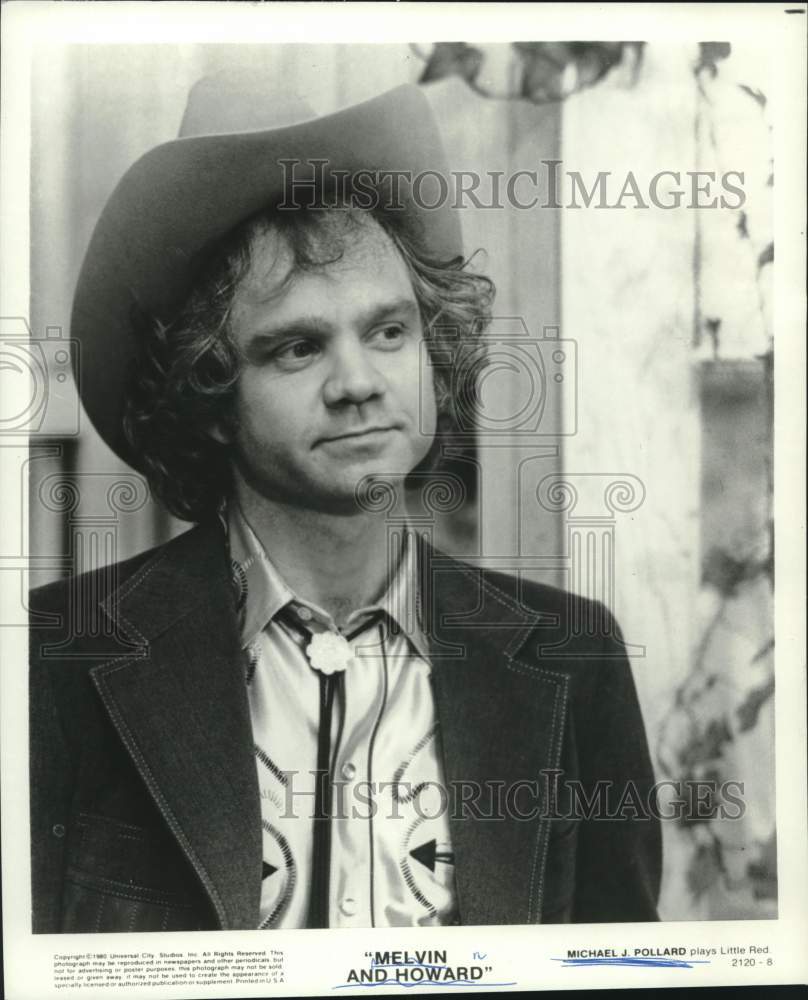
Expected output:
(321, 849)
(319, 898)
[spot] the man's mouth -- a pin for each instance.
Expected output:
(358, 435)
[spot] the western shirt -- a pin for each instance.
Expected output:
(391, 861)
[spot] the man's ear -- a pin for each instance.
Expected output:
(220, 432)
(222, 427)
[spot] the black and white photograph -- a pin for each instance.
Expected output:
(399, 503)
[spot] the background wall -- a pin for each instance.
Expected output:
(664, 335)
(671, 311)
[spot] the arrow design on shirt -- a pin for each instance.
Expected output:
(428, 855)
(407, 796)
(288, 875)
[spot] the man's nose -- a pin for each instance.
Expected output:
(353, 376)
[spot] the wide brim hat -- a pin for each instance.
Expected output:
(232, 161)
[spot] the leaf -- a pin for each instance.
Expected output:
(544, 65)
(452, 59)
(749, 710)
(719, 569)
(764, 650)
(594, 59)
(710, 54)
(754, 93)
(707, 745)
(766, 256)
(705, 868)
(716, 736)
(713, 324)
(762, 872)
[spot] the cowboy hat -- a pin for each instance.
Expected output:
(182, 197)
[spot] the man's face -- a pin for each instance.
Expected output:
(332, 386)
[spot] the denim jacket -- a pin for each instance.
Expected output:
(145, 811)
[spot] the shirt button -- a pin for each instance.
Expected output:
(348, 907)
(348, 771)
(58, 830)
(304, 614)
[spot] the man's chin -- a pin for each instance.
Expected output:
(367, 487)
(374, 492)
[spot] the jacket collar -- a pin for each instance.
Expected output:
(180, 707)
(181, 710)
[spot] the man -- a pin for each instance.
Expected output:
(300, 713)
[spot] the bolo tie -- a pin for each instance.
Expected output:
(329, 653)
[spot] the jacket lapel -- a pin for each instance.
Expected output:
(502, 721)
(182, 712)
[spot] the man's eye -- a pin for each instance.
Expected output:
(389, 336)
(295, 353)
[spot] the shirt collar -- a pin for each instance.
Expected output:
(262, 592)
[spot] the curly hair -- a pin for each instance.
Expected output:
(184, 379)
